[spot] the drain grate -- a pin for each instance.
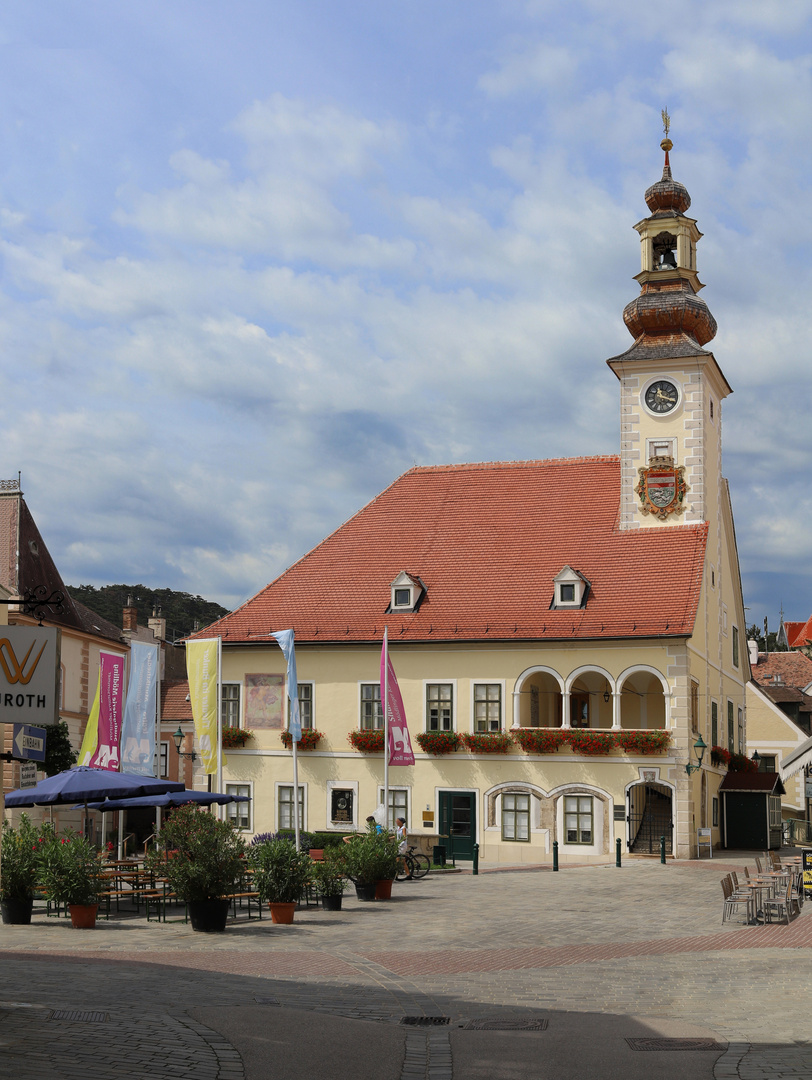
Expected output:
(76, 1016)
(676, 1044)
(266, 1000)
(425, 1021)
(507, 1025)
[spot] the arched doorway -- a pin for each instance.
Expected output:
(650, 815)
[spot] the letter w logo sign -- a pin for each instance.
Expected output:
(15, 671)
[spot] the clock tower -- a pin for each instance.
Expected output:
(671, 387)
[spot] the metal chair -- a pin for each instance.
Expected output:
(778, 904)
(733, 900)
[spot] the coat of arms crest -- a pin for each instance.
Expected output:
(662, 488)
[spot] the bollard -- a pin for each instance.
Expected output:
(555, 855)
(662, 849)
(476, 859)
(617, 852)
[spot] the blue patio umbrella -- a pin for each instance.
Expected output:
(172, 798)
(83, 784)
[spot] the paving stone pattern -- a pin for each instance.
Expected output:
(642, 945)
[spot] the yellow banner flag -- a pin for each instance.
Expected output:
(201, 667)
(91, 739)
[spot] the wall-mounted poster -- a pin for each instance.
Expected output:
(264, 701)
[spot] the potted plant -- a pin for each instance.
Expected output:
(371, 857)
(18, 870)
(330, 879)
(70, 871)
(202, 858)
(281, 875)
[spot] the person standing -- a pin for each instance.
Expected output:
(401, 835)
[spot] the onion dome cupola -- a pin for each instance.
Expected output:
(668, 316)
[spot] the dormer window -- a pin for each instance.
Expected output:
(406, 593)
(571, 589)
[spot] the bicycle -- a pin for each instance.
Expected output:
(412, 865)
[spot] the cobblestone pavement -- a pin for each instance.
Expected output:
(640, 949)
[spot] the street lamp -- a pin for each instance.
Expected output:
(178, 738)
(756, 758)
(700, 747)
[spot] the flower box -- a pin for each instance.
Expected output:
(497, 742)
(539, 740)
(591, 742)
(643, 742)
(309, 740)
(235, 736)
(368, 741)
(438, 742)
(733, 762)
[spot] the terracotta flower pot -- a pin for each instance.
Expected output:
(281, 913)
(383, 889)
(83, 916)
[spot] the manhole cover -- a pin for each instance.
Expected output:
(425, 1021)
(507, 1025)
(75, 1016)
(676, 1044)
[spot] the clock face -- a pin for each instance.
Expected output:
(662, 396)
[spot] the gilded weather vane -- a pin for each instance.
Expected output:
(666, 122)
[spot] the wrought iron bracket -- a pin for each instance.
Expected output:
(37, 601)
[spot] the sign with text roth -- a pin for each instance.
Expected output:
(29, 674)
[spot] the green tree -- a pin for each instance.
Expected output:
(58, 752)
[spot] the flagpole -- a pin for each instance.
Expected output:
(385, 689)
(219, 721)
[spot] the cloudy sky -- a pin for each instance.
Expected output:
(259, 258)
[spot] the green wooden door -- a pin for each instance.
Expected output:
(458, 823)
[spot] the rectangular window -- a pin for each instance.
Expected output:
(403, 597)
(439, 706)
(694, 705)
(487, 707)
(515, 817)
(163, 761)
(735, 642)
(714, 724)
(239, 813)
(285, 817)
(766, 763)
(715, 803)
(371, 708)
(578, 819)
(731, 728)
(305, 704)
(230, 704)
(567, 594)
(398, 805)
(775, 812)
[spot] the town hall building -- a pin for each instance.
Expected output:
(566, 633)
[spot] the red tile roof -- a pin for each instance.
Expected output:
(487, 541)
(174, 705)
(799, 633)
(793, 668)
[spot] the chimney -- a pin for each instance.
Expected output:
(158, 627)
(130, 619)
(752, 645)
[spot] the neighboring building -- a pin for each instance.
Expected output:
(566, 599)
(799, 635)
(779, 721)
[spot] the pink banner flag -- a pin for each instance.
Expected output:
(111, 683)
(400, 746)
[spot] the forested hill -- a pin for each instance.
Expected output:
(180, 609)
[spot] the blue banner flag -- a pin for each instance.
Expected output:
(138, 725)
(284, 639)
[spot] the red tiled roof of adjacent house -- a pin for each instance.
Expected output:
(792, 669)
(487, 541)
(799, 634)
(174, 705)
